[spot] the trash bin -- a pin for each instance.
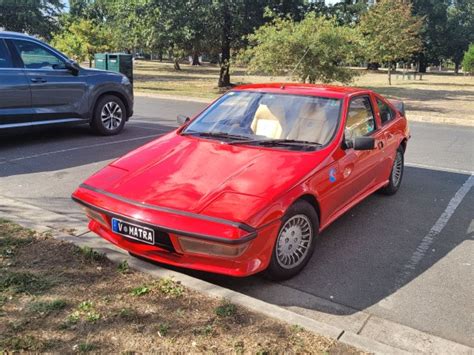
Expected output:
(118, 62)
(100, 61)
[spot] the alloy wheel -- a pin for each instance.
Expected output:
(111, 115)
(294, 241)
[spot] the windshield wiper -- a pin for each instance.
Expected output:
(275, 142)
(215, 135)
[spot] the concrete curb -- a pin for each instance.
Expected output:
(46, 221)
(411, 117)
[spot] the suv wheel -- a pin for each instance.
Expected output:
(109, 116)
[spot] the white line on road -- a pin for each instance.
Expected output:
(429, 238)
(78, 148)
(439, 168)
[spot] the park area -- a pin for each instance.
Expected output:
(437, 97)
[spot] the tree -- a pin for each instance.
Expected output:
(34, 17)
(460, 21)
(391, 33)
(82, 39)
(434, 32)
(312, 50)
(468, 61)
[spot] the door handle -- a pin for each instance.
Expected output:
(380, 144)
(38, 80)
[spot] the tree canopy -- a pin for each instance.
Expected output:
(313, 49)
(34, 17)
(391, 32)
(468, 61)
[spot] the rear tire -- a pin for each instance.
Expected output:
(396, 174)
(109, 116)
(295, 242)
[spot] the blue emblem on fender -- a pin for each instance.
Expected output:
(332, 175)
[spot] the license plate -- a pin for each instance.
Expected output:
(133, 231)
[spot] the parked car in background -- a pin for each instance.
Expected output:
(249, 184)
(40, 86)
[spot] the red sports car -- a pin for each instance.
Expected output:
(249, 183)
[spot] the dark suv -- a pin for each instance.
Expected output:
(40, 86)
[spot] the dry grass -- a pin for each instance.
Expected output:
(55, 297)
(436, 95)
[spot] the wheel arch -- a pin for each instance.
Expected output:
(403, 144)
(312, 200)
(112, 93)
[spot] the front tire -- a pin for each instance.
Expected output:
(109, 116)
(295, 242)
(396, 174)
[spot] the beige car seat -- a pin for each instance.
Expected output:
(269, 121)
(314, 124)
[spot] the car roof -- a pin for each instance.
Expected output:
(332, 91)
(8, 34)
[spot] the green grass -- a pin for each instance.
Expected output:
(140, 290)
(23, 282)
(226, 309)
(170, 288)
(90, 254)
(47, 307)
(123, 267)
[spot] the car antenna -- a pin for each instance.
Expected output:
(299, 62)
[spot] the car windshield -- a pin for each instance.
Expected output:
(244, 117)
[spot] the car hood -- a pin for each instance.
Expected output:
(205, 176)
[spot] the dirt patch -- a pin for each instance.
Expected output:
(56, 297)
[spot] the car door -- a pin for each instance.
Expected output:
(56, 92)
(359, 170)
(15, 95)
(390, 127)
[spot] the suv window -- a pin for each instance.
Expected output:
(5, 59)
(35, 56)
(360, 118)
(386, 113)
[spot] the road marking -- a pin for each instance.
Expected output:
(429, 238)
(153, 128)
(439, 168)
(78, 148)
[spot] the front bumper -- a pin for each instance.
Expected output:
(172, 228)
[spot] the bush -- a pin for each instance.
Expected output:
(468, 61)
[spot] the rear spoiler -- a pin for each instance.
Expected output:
(399, 105)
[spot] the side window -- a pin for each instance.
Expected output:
(35, 56)
(360, 118)
(5, 59)
(386, 113)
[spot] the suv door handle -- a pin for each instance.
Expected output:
(38, 80)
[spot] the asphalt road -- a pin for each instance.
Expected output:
(406, 258)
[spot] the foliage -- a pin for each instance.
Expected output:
(34, 17)
(312, 50)
(468, 61)
(391, 32)
(226, 309)
(81, 40)
(460, 20)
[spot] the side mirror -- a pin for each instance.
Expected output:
(72, 66)
(182, 119)
(360, 143)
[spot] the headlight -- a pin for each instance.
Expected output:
(196, 246)
(125, 80)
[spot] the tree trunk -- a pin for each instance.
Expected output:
(176, 64)
(389, 71)
(224, 75)
(196, 58)
(160, 55)
(456, 67)
(422, 64)
(90, 62)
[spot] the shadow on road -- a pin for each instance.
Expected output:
(360, 258)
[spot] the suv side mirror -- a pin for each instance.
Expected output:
(72, 66)
(360, 143)
(182, 119)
